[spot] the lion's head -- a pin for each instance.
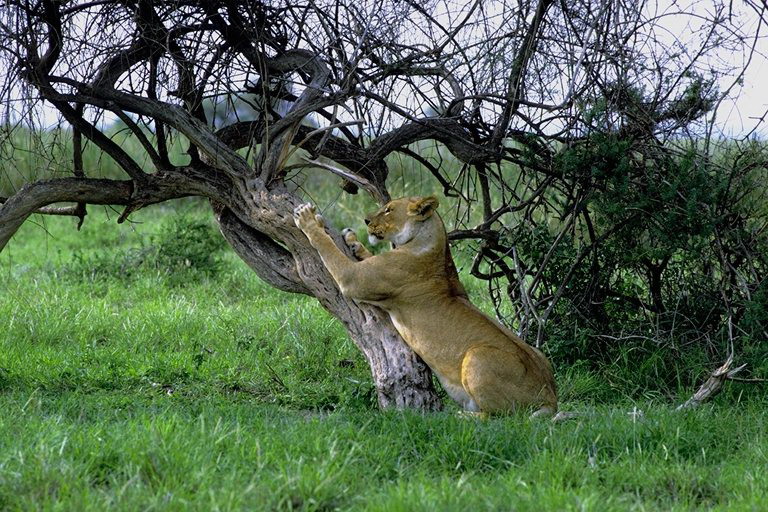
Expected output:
(397, 220)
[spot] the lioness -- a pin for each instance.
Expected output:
(481, 364)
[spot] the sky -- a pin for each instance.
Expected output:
(747, 103)
(740, 115)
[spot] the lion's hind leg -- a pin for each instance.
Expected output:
(499, 381)
(358, 249)
(544, 412)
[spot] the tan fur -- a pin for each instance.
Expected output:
(481, 364)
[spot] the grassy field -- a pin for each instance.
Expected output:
(143, 367)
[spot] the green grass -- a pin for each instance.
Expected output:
(134, 380)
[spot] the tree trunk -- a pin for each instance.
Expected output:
(401, 378)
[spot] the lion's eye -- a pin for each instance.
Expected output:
(387, 210)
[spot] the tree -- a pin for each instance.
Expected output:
(520, 93)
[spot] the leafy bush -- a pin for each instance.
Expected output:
(185, 248)
(188, 243)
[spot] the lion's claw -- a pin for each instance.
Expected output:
(350, 238)
(304, 216)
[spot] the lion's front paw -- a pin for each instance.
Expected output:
(350, 239)
(305, 217)
(349, 236)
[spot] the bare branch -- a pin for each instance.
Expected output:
(524, 53)
(713, 384)
(34, 196)
(275, 149)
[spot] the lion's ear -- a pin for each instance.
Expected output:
(423, 207)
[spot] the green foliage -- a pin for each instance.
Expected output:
(185, 247)
(188, 242)
(664, 259)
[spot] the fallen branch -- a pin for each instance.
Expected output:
(714, 384)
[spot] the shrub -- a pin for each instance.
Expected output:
(187, 242)
(184, 248)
